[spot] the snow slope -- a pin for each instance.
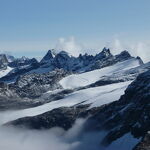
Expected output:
(126, 142)
(78, 80)
(4, 72)
(96, 96)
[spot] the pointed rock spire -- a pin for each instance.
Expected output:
(49, 56)
(104, 53)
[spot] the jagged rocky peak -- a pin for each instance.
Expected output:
(23, 61)
(124, 55)
(3, 61)
(105, 53)
(131, 113)
(82, 63)
(49, 55)
(62, 60)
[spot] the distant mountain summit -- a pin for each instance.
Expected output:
(23, 61)
(3, 61)
(104, 54)
(82, 63)
(48, 57)
(54, 60)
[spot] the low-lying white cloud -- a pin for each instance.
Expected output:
(12, 138)
(76, 138)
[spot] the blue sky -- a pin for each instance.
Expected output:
(31, 27)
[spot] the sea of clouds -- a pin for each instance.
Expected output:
(12, 138)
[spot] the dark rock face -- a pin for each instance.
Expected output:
(48, 58)
(16, 103)
(16, 72)
(104, 54)
(144, 144)
(20, 65)
(33, 85)
(3, 61)
(130, 114)
(123, 55)
(62, 117)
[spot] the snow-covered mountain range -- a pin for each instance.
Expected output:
(110, 92)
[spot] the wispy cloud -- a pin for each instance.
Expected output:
(141, 49)
(70, 45)
(12, 138)
(75, 47)
(116, 45)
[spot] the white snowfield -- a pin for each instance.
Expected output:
(95, 96)
(4, 72)
(83, 79)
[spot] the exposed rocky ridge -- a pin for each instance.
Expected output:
(34, 85)
(39, 83)
(130, 114)
(144, 144)
(11, 61)
(3, 61)
(28, 85)
(10, 99)
(63, 60)
(19, 66)
(127, 75)
(82, 63)
(22, 62)
(62, 117)
(16, 72)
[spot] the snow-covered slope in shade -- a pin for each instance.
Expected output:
(78, 80)
(4, 72)
(127, 142)
(96, 96)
